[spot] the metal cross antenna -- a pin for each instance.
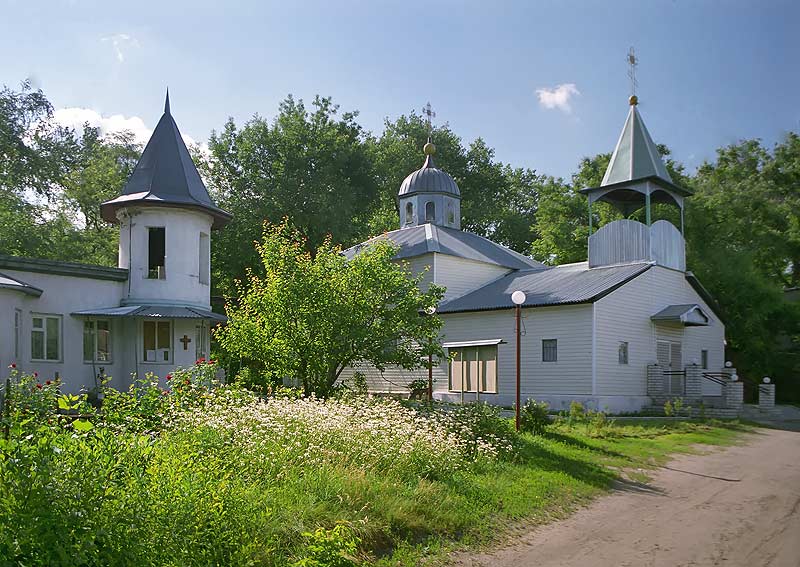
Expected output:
(633, 62)
(429, 114)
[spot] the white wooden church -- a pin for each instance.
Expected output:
(590, 329)
(150, 314)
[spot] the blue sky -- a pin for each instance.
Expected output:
(710, 73)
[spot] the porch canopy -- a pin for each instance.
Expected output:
(153, 311)
(688, 315)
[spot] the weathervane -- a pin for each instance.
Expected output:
(633, 62)
(429, 114)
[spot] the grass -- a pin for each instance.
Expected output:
(558, 472)
(199, 476)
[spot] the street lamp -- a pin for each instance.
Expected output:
(518, 298)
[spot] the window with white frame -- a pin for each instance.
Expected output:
(473, 369)
(205, 259)
(17, 333)
(623, 352)
(200, 342)
(549, 350)
(97, 341)
(157, 341)
(45, 337)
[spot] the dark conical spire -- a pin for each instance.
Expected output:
(165, 175)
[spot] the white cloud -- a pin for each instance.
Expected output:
(121, 42)
(76, 117)
(558, 97)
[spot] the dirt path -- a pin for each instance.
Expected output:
(735, 507)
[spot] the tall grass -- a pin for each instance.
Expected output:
(209, 475)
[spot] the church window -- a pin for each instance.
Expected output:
(623, 353)
(157, 339)
(409, 213)
(704, 359)
(451, 214)
(156, 252)
(200, 342)
(549, 350)
(473, 369)
(45, 337)
(430, 211)
(97, 341)
(205, 259)
(17, 332)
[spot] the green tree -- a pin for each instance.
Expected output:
(309, 166)
(311, 315)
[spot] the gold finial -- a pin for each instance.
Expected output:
(633, 100)
(429, 149)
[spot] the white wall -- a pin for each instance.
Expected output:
(62, 295)
(461, 276)
(624, 315)
(183, 229)
(558, 382)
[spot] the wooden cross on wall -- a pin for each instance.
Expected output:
(185, 340)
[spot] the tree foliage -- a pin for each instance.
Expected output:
(308, 316)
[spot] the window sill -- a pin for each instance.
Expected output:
(47, 361)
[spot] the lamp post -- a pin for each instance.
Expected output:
(518, 298)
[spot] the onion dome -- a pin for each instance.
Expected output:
(429, 178)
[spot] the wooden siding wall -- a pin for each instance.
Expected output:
(461, 276)
(421, 265)
(624, 315)
(624, 241)
(571, 325)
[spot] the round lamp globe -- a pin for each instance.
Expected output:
(518, 297)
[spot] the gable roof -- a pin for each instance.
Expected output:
(635, 156)
(560, 285)
(7, 282)
(428, 238)
(689, 315)
(165, 175)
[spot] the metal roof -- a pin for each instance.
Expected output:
(560, 285)
(153, 311)
(427, 238)
(7, 282)
(429, 179)
(57, 267)
(636, 156)
(165, 176)
(690, 315)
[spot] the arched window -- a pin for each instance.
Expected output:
(430, 211)
(409, 213)
(451, 214)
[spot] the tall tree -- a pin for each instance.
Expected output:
(311, 315)
(310, 166)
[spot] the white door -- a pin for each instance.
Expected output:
(670, 357)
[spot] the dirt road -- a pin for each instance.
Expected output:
(738, 506)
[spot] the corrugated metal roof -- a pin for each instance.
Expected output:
(690, 314)
(427, 238)
(567, 284)
(7, 282)
(153, 311)
(429, 179)
(165, 175)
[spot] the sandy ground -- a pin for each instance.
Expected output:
(739, 506)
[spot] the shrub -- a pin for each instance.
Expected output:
(533, 417)
(577, 413)
(330, 548)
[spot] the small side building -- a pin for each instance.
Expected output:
(590, 330)
(152, 313)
